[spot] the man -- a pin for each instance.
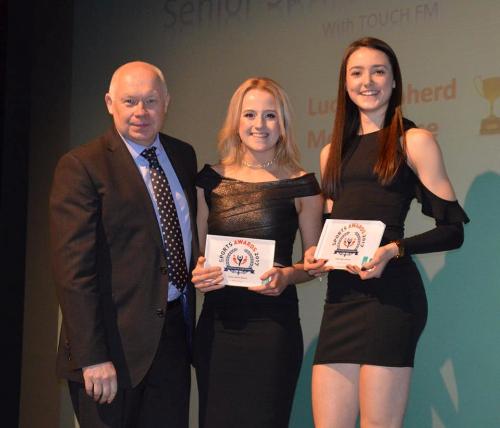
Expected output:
(123, 241)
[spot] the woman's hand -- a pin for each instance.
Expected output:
(275, 281)
(207, 279)
(315, 267)
(375, 267)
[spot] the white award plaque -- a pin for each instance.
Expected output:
(349, 242)
(242, 260)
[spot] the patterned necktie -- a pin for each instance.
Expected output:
(169, 222)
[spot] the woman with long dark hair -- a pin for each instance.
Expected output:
(376, 163)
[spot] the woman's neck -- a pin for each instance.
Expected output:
(369, 123)
(249, 174)
(259, 160)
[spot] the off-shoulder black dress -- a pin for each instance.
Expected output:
(378, 321)
(248, 347)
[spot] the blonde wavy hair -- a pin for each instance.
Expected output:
(230, 145)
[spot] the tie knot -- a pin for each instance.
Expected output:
(150, 155)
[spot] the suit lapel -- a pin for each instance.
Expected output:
(129, 171)
(176, 160)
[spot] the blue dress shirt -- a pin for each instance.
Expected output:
(180, 200)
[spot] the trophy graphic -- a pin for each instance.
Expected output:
(490, 90)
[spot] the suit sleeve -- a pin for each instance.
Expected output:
(74, 218)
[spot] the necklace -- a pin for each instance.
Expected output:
(263, 165)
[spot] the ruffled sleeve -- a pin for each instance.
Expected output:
(440, 209)
(449, 231)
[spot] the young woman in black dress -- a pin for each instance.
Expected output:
(248, 342)
(376, 163)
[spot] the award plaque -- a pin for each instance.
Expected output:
(349, 242)
(242, 260)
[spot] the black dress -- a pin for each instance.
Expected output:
(377, 321)
(248, 347)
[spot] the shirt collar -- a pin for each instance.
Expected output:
(136, 149)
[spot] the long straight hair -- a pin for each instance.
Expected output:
(347, 123)
(230, 145)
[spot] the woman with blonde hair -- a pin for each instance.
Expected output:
(248, 342)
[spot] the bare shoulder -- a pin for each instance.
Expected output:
(419, 144)
(218, 168)
(298, 173)
(419, 138)
(425, 158)
(323, 157)
(325, 151)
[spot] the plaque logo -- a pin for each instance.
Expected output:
(241, 258)
(349, 239)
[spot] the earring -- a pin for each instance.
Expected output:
(393, 84)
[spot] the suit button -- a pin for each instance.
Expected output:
(163, 270)
(160, 312)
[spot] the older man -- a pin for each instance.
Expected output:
(123, 241)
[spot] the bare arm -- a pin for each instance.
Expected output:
(425, 158)
(204, 279)
(202, 218)
(323, 157)
(309, 210)
(313, 266)
(310, 223)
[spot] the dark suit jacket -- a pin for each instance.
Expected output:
(108, 258)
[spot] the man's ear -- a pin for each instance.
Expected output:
(167, 101)
(109, 103)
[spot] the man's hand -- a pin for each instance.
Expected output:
(100, 382)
